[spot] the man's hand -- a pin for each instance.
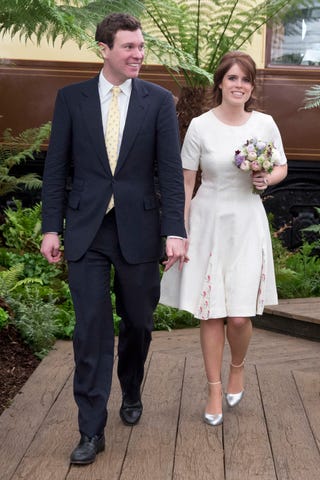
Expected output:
(50, 247)
(176, 250)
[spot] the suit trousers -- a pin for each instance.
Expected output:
(137, 290)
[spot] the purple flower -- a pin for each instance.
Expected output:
(239, 158)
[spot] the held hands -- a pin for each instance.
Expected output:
(176, 250)
(260, 180)
(50, 247)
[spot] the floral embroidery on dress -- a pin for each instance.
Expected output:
(262, 285)
(203, 311)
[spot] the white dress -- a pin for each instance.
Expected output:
(231, 271)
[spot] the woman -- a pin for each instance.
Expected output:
(230, 273)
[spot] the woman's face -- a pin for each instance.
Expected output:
(236, 87)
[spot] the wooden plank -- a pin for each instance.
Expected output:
(48, 454)
(20, 423)
(199, 450)
(108, 464)
(176, 342)
(295, 452)
(247, 450)
(151, 448)
(307, 309)
(308, 384)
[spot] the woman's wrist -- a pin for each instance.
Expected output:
(267, 179)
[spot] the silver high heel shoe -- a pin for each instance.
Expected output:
(233, 399)
(213, 419)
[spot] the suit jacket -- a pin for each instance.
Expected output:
(150, 139)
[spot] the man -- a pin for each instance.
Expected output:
(113, 219)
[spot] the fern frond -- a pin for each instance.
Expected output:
(66, 19)
(10, 277)
(26, 281)
(312, 97)
(15, 150)
(204, 30)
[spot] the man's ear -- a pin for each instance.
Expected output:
(104, 49)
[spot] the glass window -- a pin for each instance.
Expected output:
(296, 41)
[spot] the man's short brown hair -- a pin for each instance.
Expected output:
(107, 29)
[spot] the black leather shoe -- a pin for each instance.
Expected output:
(87, 449)
(130, 413)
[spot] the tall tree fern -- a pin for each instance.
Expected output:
(63, 19)
(189, 37)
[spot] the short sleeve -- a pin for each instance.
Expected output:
(191, 149)
(277, 141)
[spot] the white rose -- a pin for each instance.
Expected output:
(252, 156)
(245, 165)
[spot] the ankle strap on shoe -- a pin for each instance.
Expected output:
(237, 366)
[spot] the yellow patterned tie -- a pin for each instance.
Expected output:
(112, 134)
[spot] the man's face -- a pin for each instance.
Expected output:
(124, 60)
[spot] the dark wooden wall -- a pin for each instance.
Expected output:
(28, 89)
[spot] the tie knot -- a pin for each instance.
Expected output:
(116, 91)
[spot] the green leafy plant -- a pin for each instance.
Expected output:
(302, 277)
(167, 318)
(22, 227)
(297, 272)
(14, 150)
(314, 228)
(26, 276)
(65, 316)
(4, 318)
(35, 319)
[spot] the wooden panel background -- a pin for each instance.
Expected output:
(28, 90)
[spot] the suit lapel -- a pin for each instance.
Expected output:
(136, 114)
(91, 111)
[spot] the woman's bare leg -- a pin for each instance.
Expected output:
(239, 332)
(212, 337)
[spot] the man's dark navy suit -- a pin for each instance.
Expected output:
(129, 237)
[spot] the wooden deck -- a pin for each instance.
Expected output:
(274, 434)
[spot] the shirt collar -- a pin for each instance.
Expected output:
(105, 86)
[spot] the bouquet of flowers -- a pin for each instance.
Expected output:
(256, 156)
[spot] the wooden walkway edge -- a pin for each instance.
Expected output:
(274, 434)
(296, 316)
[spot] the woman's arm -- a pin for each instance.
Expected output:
(189, 183)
